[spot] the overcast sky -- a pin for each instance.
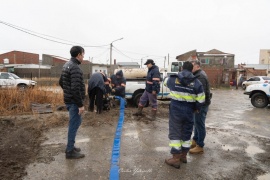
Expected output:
(153, 28)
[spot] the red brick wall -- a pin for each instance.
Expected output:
(19, 57)
(214, 75)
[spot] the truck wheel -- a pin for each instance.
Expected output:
(136, 100)
(259, 100)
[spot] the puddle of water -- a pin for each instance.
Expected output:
(264, 177)
(165, 149)
(83, 140)
(228, 147)
(254, 150)
(236, 122)
(133, 134)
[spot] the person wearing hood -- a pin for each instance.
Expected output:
(187, 97)
(96, 90)
(151, 90)
(118, 84)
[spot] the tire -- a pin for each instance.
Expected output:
(244, 87)
(259, 100)
(136, 100)
(22, 87)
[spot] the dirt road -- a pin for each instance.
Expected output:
(237, 144)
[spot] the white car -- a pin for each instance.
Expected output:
(255, 80)
(10, 80)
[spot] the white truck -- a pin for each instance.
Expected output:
(10, 80)
(136, 78)
(259, 94)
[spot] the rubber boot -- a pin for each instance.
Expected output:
(193, 144)
(196, 150)
(153, 115)
(174, 161)
(139, 111)
(183, 156)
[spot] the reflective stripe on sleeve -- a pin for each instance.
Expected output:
(156, 79)
(123, 85)
(200, 97)
(181, 96)
(149, 82)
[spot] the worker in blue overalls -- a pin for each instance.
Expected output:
(187, 97)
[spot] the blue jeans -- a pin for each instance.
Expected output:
(199, 126)
(74, 123)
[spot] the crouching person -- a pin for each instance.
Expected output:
(119, 85)
(187, 97)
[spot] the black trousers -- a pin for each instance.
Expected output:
(96, 98)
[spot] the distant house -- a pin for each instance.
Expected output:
(219, 66)
(127, 65)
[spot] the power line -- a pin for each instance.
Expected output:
(39, 35)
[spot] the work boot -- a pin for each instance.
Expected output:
(74, 154)
(139, 111)
(197, 150)
(153, 114)
(183, 156)
(174, 161)
(77, 149)
(193, 144)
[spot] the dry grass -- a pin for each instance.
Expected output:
(14, 101)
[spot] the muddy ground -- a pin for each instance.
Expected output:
(237, 144)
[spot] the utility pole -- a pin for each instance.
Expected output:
(168, 59)
(164, 61)
(111, 45)
(142, 60)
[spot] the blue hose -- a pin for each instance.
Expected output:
(114, 171)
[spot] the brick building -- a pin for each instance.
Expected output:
(19, 57)
(219, 66)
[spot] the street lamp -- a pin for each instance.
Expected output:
(111, 45)
(142, 60)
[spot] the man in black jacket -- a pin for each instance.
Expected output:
(72, 83)
(199, 118)
(151, 90)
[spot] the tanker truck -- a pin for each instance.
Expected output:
(135, 81)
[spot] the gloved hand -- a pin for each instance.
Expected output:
(113, 90)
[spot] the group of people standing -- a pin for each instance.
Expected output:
(189, 92)
(190, 98)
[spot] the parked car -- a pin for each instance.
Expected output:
(255, 80)
(259, 94)
(10, 80)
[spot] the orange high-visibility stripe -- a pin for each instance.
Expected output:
(149, 82)
(123, 85)
(156, 79)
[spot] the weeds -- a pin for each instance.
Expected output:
(14, 101)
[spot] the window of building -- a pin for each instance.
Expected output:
(205, 61)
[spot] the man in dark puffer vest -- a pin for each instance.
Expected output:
(72, 83)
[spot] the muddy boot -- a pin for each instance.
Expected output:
(139, 111)
(74, 154)
(183, 156)
(153, 115)
(196, 150)
(193, 144)
(174, 161)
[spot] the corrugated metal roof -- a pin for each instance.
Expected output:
(257, 66)
(127, 63)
